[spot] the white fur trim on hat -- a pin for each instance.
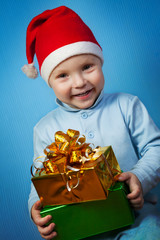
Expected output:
(61, 54)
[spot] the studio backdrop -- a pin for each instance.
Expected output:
(129, 33)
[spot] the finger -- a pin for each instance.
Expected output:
(137, 201)
(123, 177)
(50, 236)
(137, 206)
(46, 230)
(42, 221)
(135, 194)
(37, 205)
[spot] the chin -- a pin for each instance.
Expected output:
(85, 106)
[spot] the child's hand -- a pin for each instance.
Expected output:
(45, 231)
(136, 195)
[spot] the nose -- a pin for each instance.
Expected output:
(78, 81)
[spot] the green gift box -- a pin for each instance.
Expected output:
(81, 220)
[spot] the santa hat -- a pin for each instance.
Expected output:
(54, 36)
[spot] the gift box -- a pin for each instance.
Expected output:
(74, 172)
(78, 187)
(81, 220)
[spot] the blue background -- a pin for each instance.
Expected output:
(129, 33)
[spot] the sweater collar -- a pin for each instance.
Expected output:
(66, 107)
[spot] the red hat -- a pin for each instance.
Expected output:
(54, 36)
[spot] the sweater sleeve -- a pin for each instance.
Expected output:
(146, 139)
(39, 145)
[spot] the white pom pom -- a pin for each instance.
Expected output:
(30, 70)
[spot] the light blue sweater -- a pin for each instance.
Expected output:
(119, 120)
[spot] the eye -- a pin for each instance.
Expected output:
(62, 75)
(86, 67)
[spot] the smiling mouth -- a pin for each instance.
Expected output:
(83, 94)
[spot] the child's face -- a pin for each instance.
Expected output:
(78, 80)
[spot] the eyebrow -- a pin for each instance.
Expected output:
(56, 72)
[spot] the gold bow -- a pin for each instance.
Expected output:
(68, 151)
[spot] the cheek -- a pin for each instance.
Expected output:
(60, 90)
(56, 88)
(98, 79)
(102, 80)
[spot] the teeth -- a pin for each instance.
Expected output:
(83, 94)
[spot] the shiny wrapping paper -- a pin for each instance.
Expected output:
(73, 172)
(81, 220)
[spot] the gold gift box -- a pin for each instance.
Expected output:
(87, 184)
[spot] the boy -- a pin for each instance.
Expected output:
(70, 61)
